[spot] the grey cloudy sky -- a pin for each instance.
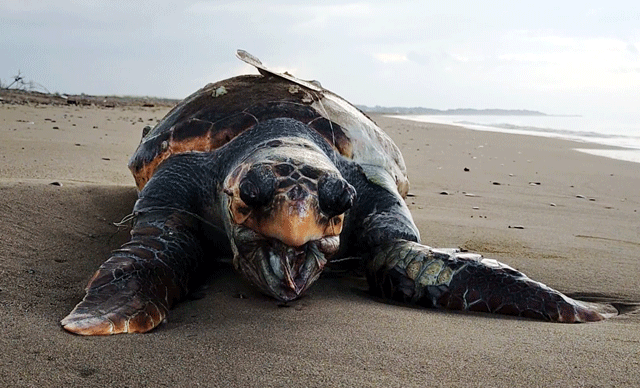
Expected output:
(555, 56)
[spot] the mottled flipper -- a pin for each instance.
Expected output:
(133, 290)
(410, 272)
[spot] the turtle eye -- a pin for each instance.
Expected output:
(335, 195)
(258, 186)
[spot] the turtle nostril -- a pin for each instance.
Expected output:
(297, 193)
(335, 195)
(258, 186)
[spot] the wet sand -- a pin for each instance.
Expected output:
(568, 219)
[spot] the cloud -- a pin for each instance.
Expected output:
(559, 62)
(390, 57)
(418, 58)
(371, 51)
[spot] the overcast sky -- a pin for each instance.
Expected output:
(575, 57)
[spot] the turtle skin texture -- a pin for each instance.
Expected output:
(283, 200)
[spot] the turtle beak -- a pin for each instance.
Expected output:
(293, 271)
(279, 270)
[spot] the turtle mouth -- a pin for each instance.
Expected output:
(279, 270)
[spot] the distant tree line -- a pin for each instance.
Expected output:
(399, 110)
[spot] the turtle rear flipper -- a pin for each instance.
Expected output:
(133, 290)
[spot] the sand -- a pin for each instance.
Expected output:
(64, 182)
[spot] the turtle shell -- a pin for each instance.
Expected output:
(217, 113)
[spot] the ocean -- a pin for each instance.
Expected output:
(620, 134)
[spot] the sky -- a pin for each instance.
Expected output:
(559, 57)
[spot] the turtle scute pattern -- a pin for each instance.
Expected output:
(205, 121)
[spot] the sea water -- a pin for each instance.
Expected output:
(621, 134)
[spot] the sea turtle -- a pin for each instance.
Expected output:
(285, 176)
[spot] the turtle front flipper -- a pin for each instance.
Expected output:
(133, 290)
(400, 268)
(409, 272)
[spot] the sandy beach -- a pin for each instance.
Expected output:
(565, 218)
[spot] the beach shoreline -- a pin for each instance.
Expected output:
(563, 217)
(607, 138)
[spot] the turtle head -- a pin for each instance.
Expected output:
(285, 205)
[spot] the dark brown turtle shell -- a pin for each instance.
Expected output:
(217, 113)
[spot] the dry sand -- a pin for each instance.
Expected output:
(52, 238)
